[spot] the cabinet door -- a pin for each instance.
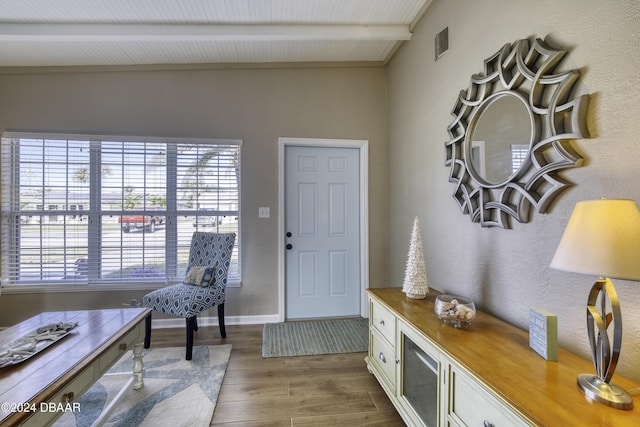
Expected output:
(419, 390)
(470, 404)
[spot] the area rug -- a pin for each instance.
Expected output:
(176, 392)
(309, 337)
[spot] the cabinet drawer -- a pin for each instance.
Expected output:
(116, 351)
(68, 397)
(471, 405)
(384, 321)
(383, 356)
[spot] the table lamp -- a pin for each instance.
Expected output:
(602, 239)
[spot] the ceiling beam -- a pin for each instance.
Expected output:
(201, 32)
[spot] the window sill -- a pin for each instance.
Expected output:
(105, 287)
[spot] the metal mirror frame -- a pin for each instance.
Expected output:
(528, 72)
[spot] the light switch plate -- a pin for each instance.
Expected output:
(264, 212)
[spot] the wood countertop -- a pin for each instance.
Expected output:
(498, 355)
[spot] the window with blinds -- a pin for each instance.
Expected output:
(519, 153)
(103, 210)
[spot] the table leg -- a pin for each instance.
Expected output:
(138, 365)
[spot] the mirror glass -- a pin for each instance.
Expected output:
(499, 140)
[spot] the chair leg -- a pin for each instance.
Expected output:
(190, 325)
(195, 323)
(147, 331)
(223, 331)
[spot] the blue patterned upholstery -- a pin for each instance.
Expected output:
(186, 300)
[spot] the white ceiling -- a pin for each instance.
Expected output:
(135, 32)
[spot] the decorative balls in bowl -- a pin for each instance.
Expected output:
(454, 310)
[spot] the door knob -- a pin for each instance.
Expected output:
(289, 246)
(288, 234)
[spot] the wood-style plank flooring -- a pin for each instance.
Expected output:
(327, 390)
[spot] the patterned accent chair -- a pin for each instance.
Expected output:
(203, 287)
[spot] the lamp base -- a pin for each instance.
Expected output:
(605, 393)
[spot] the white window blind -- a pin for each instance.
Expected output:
(91, 210)
(519, 153)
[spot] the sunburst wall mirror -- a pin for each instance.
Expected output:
(511, 133)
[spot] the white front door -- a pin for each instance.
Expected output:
(322, 226)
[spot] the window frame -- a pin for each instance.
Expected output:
(9, 169)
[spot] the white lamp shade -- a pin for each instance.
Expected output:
(602, 238)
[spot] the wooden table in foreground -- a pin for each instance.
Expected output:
(497, 355)
(40, 389)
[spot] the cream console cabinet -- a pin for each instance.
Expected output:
(456, 399)
(484, 375)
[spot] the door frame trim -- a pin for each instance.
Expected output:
(363, 148)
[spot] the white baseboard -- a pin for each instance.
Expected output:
(179, 322)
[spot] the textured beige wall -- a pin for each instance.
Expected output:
(255, 105)
(507, 271)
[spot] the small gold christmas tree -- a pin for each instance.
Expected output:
(415, 276)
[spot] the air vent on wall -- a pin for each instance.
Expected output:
(442, 43)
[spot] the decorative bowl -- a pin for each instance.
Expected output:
(455, 310)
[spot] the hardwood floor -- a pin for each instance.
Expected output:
(327, 390)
